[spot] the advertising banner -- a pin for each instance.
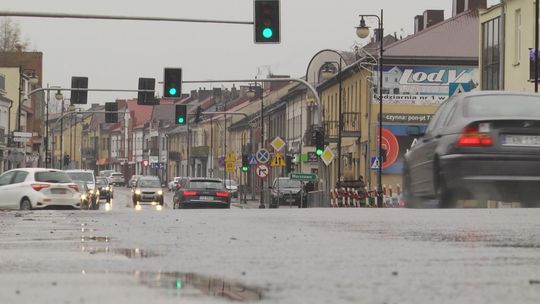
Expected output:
(422, 85)
(395, 144)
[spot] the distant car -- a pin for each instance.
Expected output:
(232, 186)
(37, 188)
(117, 179)
(285, 191)
(147, 190)
(478, 145)
(86, 195)
(133, 180)
(105, 173)
(105, 190)
(88, 177)
(202, 193)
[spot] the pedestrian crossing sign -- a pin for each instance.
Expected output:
(375, 163)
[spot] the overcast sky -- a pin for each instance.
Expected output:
(113, 54)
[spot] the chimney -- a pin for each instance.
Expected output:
(193, 94)
(418, 23)
(460, 6)
(432, 17)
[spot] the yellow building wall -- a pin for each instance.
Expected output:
(12, 92)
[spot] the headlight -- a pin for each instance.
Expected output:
(138, 191)
(107, 188)
(83, 197)
(91, 191)
(160, 192)
(97, 192)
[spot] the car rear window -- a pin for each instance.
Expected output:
(205, 184)
(54, 177)
(101, 181)
(503, 106)
(81, 176)
(117, 175)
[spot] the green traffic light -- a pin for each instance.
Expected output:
(181, 120)
(178, 284)
(319, 152)
(267, 33)
(172, 91)
(244, 169)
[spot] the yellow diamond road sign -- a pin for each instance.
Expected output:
(278, 143)
(278, 160)
(327, 156)
(230, 157)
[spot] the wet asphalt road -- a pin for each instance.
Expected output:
(270, 256)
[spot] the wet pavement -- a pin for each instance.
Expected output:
(121, 255)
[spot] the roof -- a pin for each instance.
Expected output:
(456, 37)
(141, 114)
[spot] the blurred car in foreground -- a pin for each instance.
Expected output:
(37, 188)
(479, 145)
(105, 190)
(285, 191)
(147, 190)
(202, 193)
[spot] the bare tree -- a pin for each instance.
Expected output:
(10, 36)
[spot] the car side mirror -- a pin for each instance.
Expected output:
(415, 131)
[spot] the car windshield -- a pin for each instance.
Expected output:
(503, 106)
(288, 183)
(55, 177)
(205, 184)
(101, 182)
(230, 182)
(149, 183)
(81, 176)
(82, 185)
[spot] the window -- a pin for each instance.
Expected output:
(5, 179)
(20, 177)
(491, 55)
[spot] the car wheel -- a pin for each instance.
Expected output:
(411, 201)
(25, 204)
(446, 197)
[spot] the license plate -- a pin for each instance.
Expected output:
(58, 191)
(522, 140)
(206, 198)
(290, 200)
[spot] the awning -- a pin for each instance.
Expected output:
(102, 161)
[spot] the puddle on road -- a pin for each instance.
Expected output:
(132, 253)
(190, 285)
(104, 239)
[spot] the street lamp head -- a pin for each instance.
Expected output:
(33, 80)
(250, 92)
(327, 71)
(362, 30)
(58, 95)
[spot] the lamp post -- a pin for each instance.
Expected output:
(362, 31)
(252, 93)
(326, 72)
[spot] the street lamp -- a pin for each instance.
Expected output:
(362, 31)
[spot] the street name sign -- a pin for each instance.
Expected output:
(303, 176)
(22, 134)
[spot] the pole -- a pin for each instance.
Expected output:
(537, 13)
(379, 171)
(340, 126)
(47, 130)
(62, 137)
(261, 203)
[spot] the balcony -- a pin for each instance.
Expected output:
(351, 124)
(331, 130)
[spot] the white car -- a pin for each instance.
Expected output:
(37, 188)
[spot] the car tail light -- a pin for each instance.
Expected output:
(472, 137)
(39, 187)
(74, 187)
(222, 194)
(189, 193)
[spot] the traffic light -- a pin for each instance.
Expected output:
(67, 160)
(111, 112)
(79, 96)
(181, 115)
(245, 163)
(172, 83)
(266, 17)
(289, 164)
(198, 114)
(318, 141)
(147, 98)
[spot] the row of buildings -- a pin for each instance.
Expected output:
(477, 48)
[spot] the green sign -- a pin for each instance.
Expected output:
(303, 176)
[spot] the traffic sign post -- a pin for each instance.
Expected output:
(327, 156)
(278, 143)
(229, 167)
(374, 163)
(277, 160)
(263, 156)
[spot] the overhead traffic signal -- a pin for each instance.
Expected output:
(245, 163)
(147, 98)
(172, 82)
(79, 96)
(111, 112)
(198, 114)
(266, 17)
(180, 114)
(318, 141)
